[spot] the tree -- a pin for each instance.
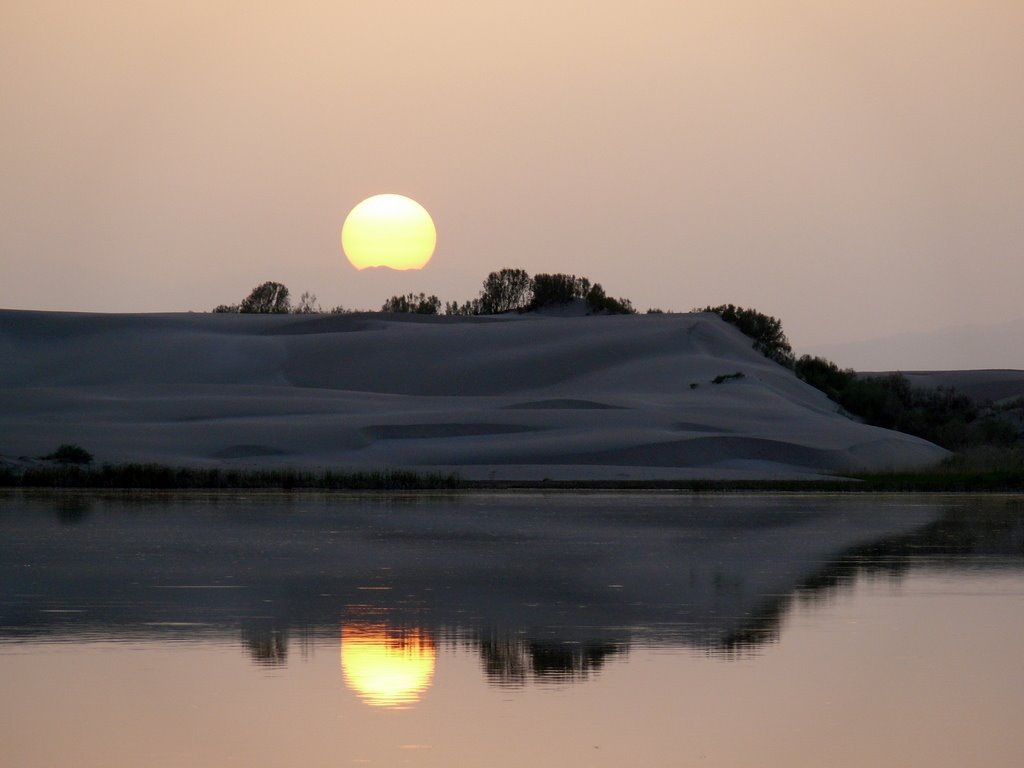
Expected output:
(599, 301)
(558, 289)
(505, 291)
(471, 307)
(419, 304)
(69, 453)
(307, 305)
(766, 331)
(824, 375)
(941, 415)
(270, 298)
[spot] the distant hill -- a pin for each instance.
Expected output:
(979, 385)
(969, 347)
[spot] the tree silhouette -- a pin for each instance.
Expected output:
(419, 304)
(270, 298)
(505, 291)
(69, 453)
(558, 289)
(599, 301)
(308, 305)
(766, 331)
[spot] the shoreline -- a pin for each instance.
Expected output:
(156, 477)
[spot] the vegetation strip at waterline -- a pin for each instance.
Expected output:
(947, 478)
(158, 476)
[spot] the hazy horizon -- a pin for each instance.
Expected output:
(855, 169)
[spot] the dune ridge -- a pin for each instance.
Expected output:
(506, 397)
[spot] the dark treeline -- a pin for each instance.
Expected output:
(941, 415)
(513, 290)
(507, 290)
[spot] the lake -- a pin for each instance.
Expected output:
(568, 629)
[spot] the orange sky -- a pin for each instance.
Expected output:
(855, 168)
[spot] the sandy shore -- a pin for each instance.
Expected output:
(506, 397)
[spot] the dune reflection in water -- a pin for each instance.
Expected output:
(387, 667)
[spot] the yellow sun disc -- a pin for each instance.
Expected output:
(388, 231)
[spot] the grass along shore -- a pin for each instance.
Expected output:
(162, 477)
(986, 472)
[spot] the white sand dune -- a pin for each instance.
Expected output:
(513, 396)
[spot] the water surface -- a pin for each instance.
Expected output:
(503, 630)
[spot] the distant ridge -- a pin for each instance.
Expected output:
(965, 347)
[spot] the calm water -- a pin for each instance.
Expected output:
(501, 630)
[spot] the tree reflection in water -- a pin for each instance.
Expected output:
(512, 661)
(266, 643)
(509, 659)
(991, 533)
(526, 582)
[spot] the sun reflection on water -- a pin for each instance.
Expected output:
(387, 667)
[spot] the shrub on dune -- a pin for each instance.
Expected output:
(69, 453)
(417, 304)
(268, 298)
(765, 330)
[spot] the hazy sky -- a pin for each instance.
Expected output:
(854, 167)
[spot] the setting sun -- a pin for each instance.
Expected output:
(386, 669)
(388, 231)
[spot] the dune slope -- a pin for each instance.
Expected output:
(513, 396)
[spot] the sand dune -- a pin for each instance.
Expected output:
(514, 396)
